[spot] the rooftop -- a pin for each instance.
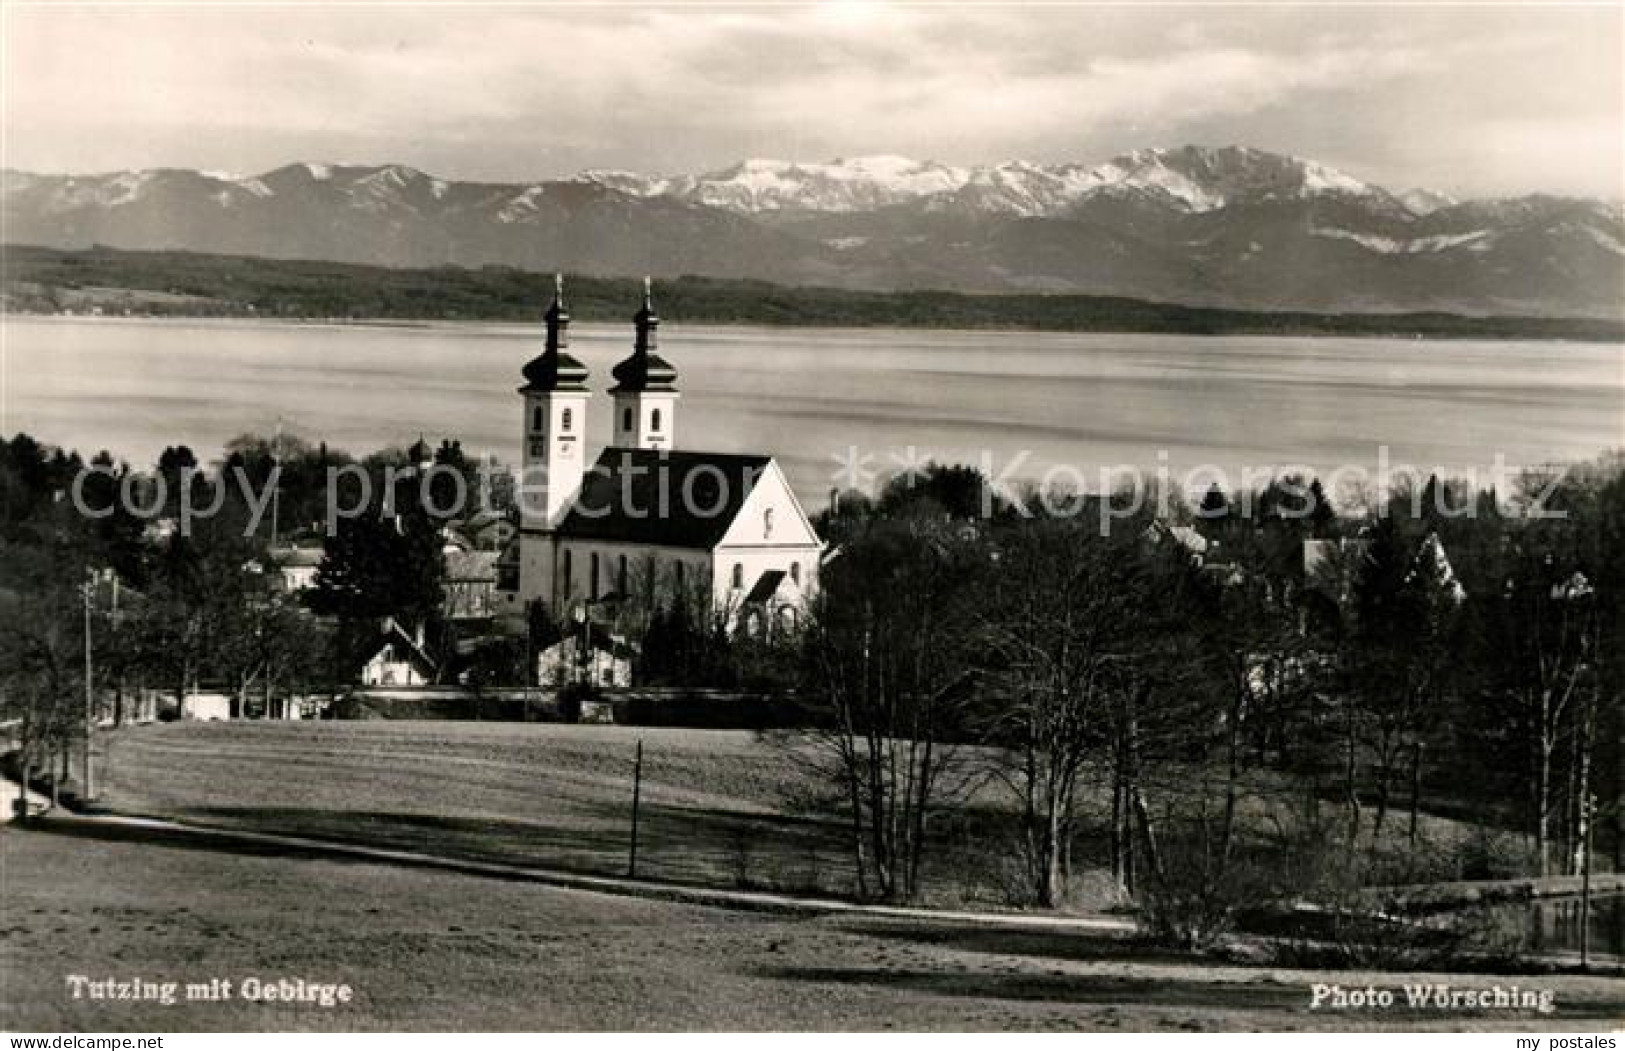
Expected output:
(660, 497)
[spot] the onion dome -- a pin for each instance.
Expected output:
(554, 369)
(645, 370)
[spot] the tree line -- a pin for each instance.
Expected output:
(194, 284)
(1212, 708)
(1244, 716)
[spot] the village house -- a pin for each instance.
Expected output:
(593, 658)
(1332, 568)
(488, 530)
(469, 584)
(397, 658)
(297, 563)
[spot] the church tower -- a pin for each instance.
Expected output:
(555, 395)
(645, 390)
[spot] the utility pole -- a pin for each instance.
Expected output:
(1588, 809)
(529, 675)
(637, 793)
(90, 696)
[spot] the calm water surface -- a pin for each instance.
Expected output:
(812, 395)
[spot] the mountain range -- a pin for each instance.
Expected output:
(1228, 227)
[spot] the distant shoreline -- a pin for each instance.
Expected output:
(420, 324)
(103, 282)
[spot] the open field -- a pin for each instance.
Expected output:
(712, 809)
(719, 808)
(435, 951)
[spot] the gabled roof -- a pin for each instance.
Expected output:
(391, 632)
(295, 557)
(661, 497)
(602, 641)
(1183, 535)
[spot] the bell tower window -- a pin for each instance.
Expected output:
(626, 419)
(564, 421)
(654, 420)
(538, 420)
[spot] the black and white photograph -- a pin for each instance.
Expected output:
(811, 517)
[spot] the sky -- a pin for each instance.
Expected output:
(1470, 100)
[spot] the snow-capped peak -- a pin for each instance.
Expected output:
(762, 184)
(1424, 202)
(1189, 179)
(1318, 178)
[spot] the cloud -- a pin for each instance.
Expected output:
(515, 92)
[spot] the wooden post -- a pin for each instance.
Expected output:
(90, 700)
(637, 794)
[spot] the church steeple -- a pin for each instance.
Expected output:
(645, 370)
(554, 369)
(558, 317)
(645, 388)
(647, 321)
(555, 396)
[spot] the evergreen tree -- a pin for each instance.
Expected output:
(1322, 516)
(375, 568)
(1215, 506)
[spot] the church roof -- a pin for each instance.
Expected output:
(554, 368)
(645, 370)
(638, 496)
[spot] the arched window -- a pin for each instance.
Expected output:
(537, 420)
(739, 575)
(564, 420)
(620, 577)
(795, 572)
(626, 419)
(654, 420)
(767, 524)
(564, 576)
(592, 578)
(677, 575)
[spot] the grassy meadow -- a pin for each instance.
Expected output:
(436, 951)
(718, 808)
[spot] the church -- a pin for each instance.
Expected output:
(648, 522)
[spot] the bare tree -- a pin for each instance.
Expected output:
(886, 668)
(1543, 639)
(41, 653)
(1058, 627)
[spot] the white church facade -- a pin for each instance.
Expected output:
(645, 521)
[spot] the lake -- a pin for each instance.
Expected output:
(1026, 401)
